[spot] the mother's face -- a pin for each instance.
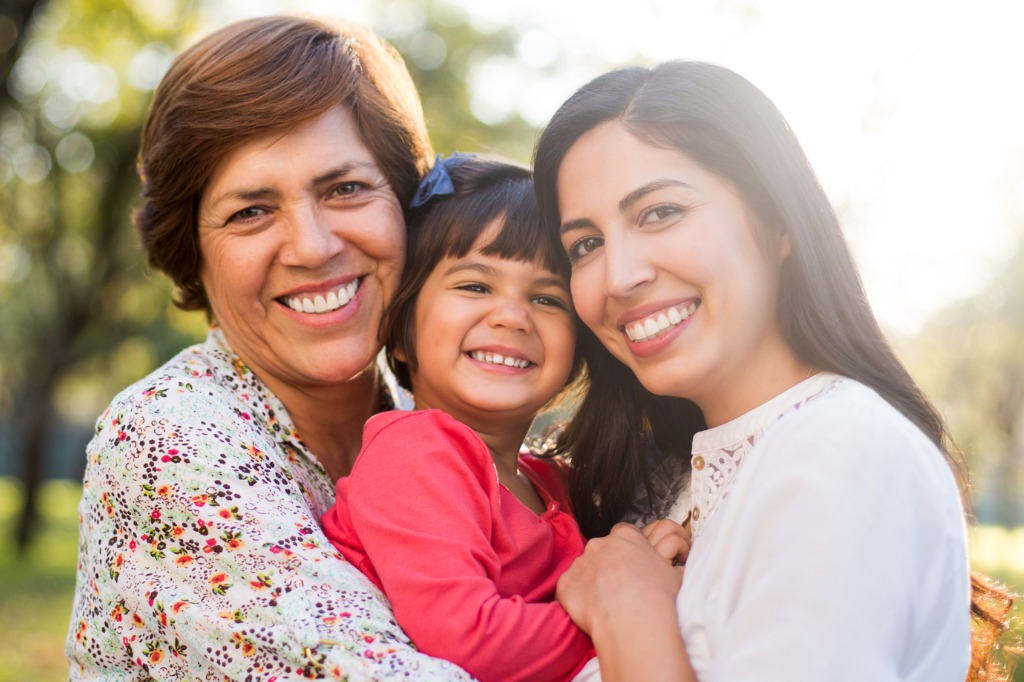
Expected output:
(302, 241)
(671, 270)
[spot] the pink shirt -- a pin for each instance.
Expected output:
(469, 569)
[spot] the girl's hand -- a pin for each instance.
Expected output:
(669, 539)
(622, 575)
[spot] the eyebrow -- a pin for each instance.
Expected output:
(473, 266)
(262, 193)
(627, 201)
(653, 186)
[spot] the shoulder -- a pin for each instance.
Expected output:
(849, 439)
(850, 417)
(417, 424)
(194, 377)
(421, 438)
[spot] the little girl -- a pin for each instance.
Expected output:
(466, 535)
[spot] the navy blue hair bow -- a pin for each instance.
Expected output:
(437, 182)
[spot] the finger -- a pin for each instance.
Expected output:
(661, 528)
(673, 548)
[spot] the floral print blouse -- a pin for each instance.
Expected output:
(200, 554)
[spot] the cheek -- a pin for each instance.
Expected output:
(388, 249)
(587, 296)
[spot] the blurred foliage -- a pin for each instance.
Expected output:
(81, 315)
(970, 359)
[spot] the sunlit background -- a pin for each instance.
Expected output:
(910, 110)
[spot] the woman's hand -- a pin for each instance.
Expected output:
(621, 572)
(622, 592)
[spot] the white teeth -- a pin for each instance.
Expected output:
(323, 303)
(658, 323)
(499, 359)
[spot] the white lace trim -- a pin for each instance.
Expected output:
(718, 453)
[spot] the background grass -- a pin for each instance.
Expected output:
(36, 589)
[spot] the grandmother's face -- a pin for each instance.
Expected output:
(302, 241)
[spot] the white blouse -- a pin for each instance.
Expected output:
(829, 544)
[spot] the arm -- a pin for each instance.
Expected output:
(200, 558)
(422, 503)
(838, 555)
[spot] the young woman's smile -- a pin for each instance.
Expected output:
(672, 271)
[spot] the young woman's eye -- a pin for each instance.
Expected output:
(583, 247)
(653, 215)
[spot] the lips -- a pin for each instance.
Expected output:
(659, 323)
(499, 359)
(323, 302)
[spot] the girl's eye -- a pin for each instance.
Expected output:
(583, 247)
(552, 301)
(473, 287)
(247, 214)
(658, 213)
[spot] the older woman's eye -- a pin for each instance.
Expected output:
(247, 214)
(583, 247)
(346, 189)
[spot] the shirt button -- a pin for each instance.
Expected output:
(696, 513)
(698, 462)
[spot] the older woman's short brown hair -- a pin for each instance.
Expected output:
(256, 77)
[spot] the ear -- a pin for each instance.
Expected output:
(784, 246)
(399, 354)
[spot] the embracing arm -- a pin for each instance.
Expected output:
(838, 555)
(200, 557)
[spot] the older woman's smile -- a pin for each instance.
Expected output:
(303, 242)
(322, 302)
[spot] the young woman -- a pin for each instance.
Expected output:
(728, 334)
(465, 534)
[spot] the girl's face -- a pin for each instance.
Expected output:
(673, 273)
(495, 338)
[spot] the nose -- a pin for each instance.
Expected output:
(311, 240)
(627, 266)
(511, 314)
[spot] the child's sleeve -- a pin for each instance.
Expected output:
(422, 498)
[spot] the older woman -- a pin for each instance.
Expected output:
(276, 160)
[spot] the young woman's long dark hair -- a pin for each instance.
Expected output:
(724, 123)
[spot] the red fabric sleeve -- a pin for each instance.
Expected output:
(424, 500)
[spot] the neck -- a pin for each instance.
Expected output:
(330, 418)
(777, 371)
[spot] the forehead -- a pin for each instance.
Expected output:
(328, 141)
(608, 162)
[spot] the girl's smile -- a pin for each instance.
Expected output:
(495, 339)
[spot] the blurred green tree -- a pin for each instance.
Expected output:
(970, 359)
(81, 316)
